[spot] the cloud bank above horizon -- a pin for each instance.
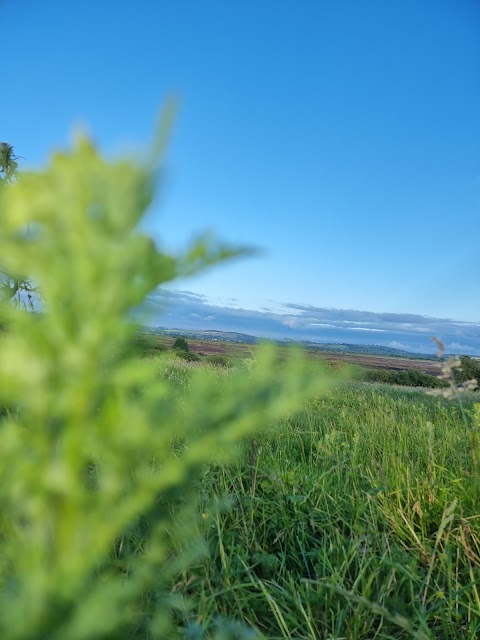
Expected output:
(287, 320)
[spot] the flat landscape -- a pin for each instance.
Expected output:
(356, 517)
(245, 350)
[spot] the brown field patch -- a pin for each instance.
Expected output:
(242, 350)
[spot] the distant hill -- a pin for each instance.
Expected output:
(368, 349)
(224, 336)
(232, 336)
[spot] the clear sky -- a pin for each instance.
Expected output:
(342, 137)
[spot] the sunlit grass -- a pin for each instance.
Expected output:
(362, 522)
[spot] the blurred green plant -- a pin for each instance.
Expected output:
(97, 441)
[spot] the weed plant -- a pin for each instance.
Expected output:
(102, 449)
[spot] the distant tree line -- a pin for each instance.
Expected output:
(407, 378)
(469, 370)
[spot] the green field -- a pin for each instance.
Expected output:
(358, 517)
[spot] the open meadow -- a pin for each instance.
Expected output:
(356, 517)
(151, 344)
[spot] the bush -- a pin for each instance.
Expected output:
(181, 344)
(407, 378)
(101, 454)
(189, 356)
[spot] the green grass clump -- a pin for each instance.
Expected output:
(360, 520)
(188, 356)
(147, 346)
(218, 360)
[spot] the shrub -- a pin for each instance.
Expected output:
(96, 447)
(189, 356)
(407, 378)
(181, 344)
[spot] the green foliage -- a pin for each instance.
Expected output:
(182, 350)
(363, 523)
(407, 378)
(8, 162)
(181, 344)
(189, 356)
(469, 370)
(101, 450)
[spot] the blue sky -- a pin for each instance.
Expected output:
(341, 137)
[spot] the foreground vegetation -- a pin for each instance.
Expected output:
(96, 441)
(357, 517)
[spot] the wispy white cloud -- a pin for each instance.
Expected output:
(321, 324)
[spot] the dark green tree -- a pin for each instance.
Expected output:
(19, 289)
(181, 344)
(8, 162)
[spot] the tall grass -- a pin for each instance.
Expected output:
(363, 522)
